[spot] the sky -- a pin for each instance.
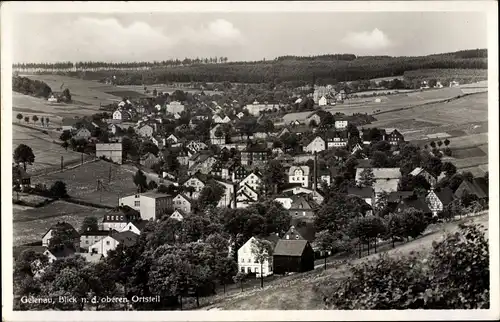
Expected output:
(51, 37)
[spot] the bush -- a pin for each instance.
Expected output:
(454, 276)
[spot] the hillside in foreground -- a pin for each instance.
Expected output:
(297, 292)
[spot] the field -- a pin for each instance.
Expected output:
(81, 182)
(296, 292)
(47, 154)
(160, 88)
(29, 224)
(470, 75)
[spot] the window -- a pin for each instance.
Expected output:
(137, 203)
(107, 217)
(249, 260)
(86, 242)
(121, 217)
(107, 242)
(243, 269)
(297, 237)
(287, 236)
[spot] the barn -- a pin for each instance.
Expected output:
(293, 256)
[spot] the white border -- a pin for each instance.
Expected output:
(8, 8)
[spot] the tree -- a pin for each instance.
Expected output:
(394, 227)
(324, 241)
(414, 223)
(35, 119)
(379, 159)
(262, 250)
(24, 154)
(440, 143)
(447, 142)
(89, 223)
(273, 176)
(226, 268)
(19, 117)
(58, 190)
(148, 147)
(65, 136)
(240, 278)
(152, 185)
(449, 169)
(65, 145)
(211, 194)
(366, 178)
(43, 121)
(67, 95)
(140, 180)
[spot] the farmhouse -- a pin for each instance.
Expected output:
(477, 186)
(62, 227)
(421, 172)
(112, 151)
(175, 107)
(316, 145)
(90, 237)
(394, 137)
(151, 205)
(293, 256)
(438, 199)
(82, 133)
(103, 246)
(386, 179)
(247, 261)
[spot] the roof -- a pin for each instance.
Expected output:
(17, 250)
(184, 196)
(396, 195)
(153, 194)
(62, 252)
(417, 171)
(382, 173)
(304, 168)
(478, 187)
(445, 195)
(95, 233)
(140, 224)
(364, 192)
(290, 247)
(417, 203)
(126, 238)
(63, 225)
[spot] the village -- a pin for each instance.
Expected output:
(277, 197)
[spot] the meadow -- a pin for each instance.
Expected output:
(81, 182)
(47, 154)
(29, 224)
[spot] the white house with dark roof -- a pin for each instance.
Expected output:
(299, 174)
(103, 246)
(151, 205)
(247, 262)
(318, 144)
(182, 202)
(197, 184)
(253, 180)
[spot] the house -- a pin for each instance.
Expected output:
(145, 130)
(325, 175)
(299, 174)
(90, 237)
(82, 133)
(65, 228)
(112, 151)
(245, 196)
(121, 115)
(285, 200)
(227, 199)
(103, 246)
(414, 202)
(119, 217)
(341, 96)
(59, 253)
(302, 207)
(438, 199)
(428, 177)
(386, 179)
(52, 99)
(196, 146)
(454, 84)
(178, 214)
(183, 203)
(114, 128)
(197, 183)
(336, 139)
(239, 173)
(318, 144)
(477, 186)
(256, 108)
(20, 177)
(356, 148)
(247, 261)
(203, 164)
(253, 180)
(365, 193)
(177, 116)
(221, 120)
(159, 141)
(217, 136)
(149, 160)
(323, 101)
(240, 115)
(320, 92)
(175, 107)
(394, 137)
(137, 227)
(313, 117)
(69, 124)
(151, 205)
(293, 256)
(255, 154)
(341, 124)
(172, 139)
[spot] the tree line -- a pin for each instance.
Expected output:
(31, 87)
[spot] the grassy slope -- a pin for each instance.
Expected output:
(296, 292)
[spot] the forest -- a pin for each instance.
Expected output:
(31, 87)
(321, 69)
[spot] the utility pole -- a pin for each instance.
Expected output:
(62, 163)
(109, 175)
